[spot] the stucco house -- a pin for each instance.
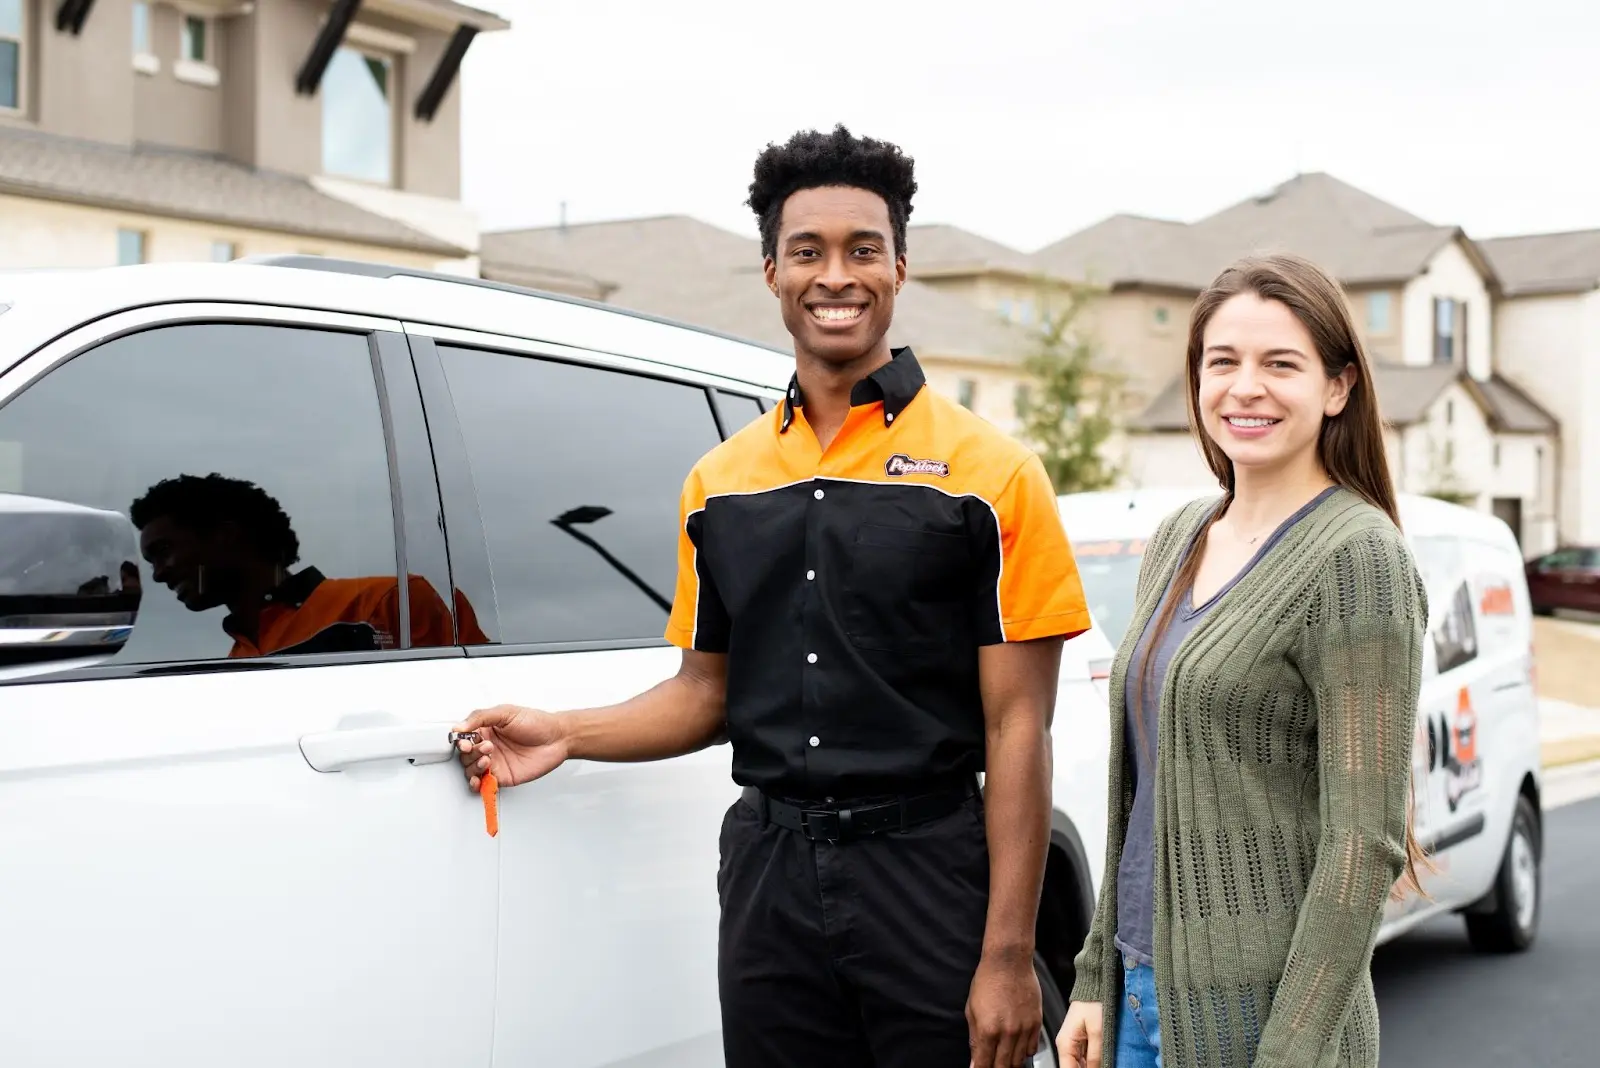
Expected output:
(1463, 420)
(135, 131)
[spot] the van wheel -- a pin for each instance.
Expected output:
(1511, 927)
(1055, 1014)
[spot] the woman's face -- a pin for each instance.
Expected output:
(1263, 392)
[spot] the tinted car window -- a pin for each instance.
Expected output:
(250, 460)
(737, 411)
(578, 472)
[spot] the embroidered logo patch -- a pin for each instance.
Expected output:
(900, 464)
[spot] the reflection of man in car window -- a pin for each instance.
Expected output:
(217, 541)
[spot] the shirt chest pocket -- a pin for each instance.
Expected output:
(908, 587)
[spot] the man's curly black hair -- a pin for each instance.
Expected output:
(811, 159)
(204, 502)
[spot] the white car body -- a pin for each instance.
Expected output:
(1477, 743)
(270, 867)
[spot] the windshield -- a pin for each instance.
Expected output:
(1109, 571)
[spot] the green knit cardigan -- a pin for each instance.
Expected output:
(1282, 791)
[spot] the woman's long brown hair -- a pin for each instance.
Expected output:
(1350, 446)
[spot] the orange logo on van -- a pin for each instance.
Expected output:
(1466, 728)
(1497, 601)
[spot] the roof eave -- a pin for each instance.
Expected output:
(438, 15)
(1560, 287)
(62, 196)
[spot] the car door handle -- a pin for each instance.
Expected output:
(336, 750)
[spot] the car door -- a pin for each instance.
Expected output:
(1586, 581)
(1558, 580)
(609, 902)
(242, 838)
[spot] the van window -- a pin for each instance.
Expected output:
(1452, 623)
(251, 460)
(578, 472)
(1109, 571)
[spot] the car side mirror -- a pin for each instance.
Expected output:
(69, 582)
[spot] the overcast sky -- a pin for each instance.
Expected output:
(1029, 120)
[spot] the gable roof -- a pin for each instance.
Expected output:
(680, 267)
(938, 248)
(184, 185)
(1405, 394)
(1359, 238)
(1131, 250)
(1534, 264)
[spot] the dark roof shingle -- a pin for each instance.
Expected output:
(188, 186)
(1535, 264)
(1354, 235)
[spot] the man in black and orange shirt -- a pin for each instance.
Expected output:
(873, 589)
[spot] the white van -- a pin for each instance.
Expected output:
(251, 843)
(1476, 756)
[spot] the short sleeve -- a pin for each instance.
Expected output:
(1030, 588)
(698, 620)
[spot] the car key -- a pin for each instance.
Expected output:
(488, 788)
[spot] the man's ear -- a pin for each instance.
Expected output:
(899, 271)
(769, 267)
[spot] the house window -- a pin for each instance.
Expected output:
(1449, 413)
(141, 29)
(1497, 454)
(1021, 397)
(10, 55)
(1379, 310)
(966, 392)
(1162, 315)
(195, 46)
(358, 117)
(1449, 329)
(223, 251)
(130, 247)
(1005, 309)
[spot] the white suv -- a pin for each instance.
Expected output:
(238, 833)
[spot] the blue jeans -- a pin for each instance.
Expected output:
(1138, 1026)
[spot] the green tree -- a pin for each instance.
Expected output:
(1067, 406)
(1444, 482)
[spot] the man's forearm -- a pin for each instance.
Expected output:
(680, 715)
(1017, 803)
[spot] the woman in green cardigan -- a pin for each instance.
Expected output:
(1262, 708)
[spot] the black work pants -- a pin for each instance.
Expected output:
(858, 954)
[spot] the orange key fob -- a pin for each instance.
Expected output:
(490, 789)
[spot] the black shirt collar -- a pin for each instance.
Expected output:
(895, 384)
(293, 591)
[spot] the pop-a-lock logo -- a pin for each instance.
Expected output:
(900, 464)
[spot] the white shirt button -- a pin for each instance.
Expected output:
(810, 575)
(811, 658)
(815, 741)
(889, 418)
(819, 495)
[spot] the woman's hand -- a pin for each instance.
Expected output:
(1078, 1043)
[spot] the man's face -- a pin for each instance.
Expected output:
(836, 272)
(194, 565)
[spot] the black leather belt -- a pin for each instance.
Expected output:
(835, 823)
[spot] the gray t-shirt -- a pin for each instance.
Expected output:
(1136, 867)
